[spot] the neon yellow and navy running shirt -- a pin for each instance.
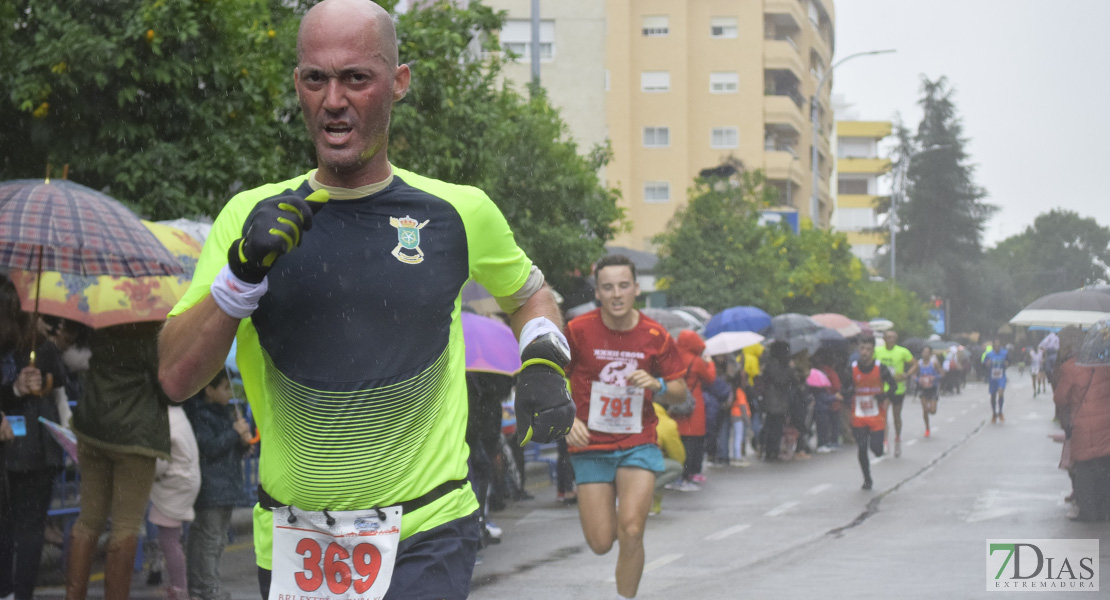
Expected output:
(354, 360)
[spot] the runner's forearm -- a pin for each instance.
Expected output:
(192, 348)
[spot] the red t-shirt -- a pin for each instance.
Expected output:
(607, 356)
(869, 385)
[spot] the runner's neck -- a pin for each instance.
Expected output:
(626, 323)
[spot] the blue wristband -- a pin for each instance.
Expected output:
(662, 385)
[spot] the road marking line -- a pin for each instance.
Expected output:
(724, 533)
(817, 489)
(655, 564)
(878, 460)
(950, 419)
(911, 442)
(778, 510)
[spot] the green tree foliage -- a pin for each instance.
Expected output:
(716, 254)
(900, 306)
(824, 275)
(1059, 251)
(167, 105)
(461, 125)
(941, 217)
(171, 106)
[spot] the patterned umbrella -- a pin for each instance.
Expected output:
(62, 226)
(843, 325)
(106, 300)
(1095, 350)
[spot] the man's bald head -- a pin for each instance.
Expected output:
(378, 24)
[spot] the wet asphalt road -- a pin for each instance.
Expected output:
(800, 529)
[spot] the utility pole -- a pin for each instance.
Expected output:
(815, 135)
(535, 42)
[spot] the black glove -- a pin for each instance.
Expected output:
(274, 229)
(544, 410)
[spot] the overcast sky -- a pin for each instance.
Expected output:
(1030, 88)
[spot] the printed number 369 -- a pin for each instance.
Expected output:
(332, 566)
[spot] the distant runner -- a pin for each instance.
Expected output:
(900, 362)
(928, 384)
(871, 385)
(1036, 369)
(996, 362)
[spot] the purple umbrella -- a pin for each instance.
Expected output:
(491, 346)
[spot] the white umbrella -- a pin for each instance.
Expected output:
(1058, 318)
(731, 341)
(881, 325)
(1081, 308)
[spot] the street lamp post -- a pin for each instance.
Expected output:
(898, 192)
(814, 204)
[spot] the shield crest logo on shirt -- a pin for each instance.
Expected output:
(408, 240)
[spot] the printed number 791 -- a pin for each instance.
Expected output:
(617, 407)
(331, 566)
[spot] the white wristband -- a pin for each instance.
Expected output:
(234, 296)
(537, 327)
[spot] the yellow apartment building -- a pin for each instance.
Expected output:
(858, 169)
(679, 86)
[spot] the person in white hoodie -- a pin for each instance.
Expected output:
(176, 484)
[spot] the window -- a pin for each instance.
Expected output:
(516, 36)
(655, 81)
(657, 191)
(656, 26)
(725, 137)
(723, 83)
(722, 27)
(854, 219)
(851, 186)
(657, 137)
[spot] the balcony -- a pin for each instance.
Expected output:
(863, 165)
(783, 55)
(857, 200)
(781, 165)
(785, 10)
(821, 47)
(785, 110)
(872, 130)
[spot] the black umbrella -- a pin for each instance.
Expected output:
(914, 345)
(831, 338)
(791, 325)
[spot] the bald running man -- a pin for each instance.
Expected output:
(343, 289)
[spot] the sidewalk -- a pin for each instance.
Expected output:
(51, 582)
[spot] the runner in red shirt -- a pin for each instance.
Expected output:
(620, 359)
(869, 403)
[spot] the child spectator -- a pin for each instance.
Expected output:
(223, 438)
(741, 415)
(825, 409)
(674, 455)
(176, 484)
